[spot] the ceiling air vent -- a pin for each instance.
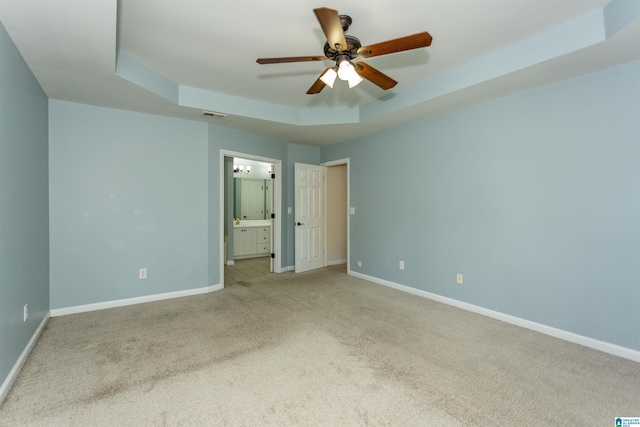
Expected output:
(214, 114)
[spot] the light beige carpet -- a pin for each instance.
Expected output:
(317, 348)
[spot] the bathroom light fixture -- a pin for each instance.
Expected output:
(241, 169)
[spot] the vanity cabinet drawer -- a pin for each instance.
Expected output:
(263, 240)
(263, 248)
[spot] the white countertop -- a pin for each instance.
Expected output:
(253, 223)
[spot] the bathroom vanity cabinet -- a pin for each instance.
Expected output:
(251, 240)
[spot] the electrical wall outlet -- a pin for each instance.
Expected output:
(142, 273)
(459, 279)
(359, 263)
(25, 312)
(401, 265)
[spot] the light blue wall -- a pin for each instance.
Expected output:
(127, 191)
(131, 191)
(534, 198)
(24, 211)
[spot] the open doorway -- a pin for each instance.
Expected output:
(250, 226)
(337, 207)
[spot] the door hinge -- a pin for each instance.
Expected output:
(273, 176)
(273, 216)
(273, 255)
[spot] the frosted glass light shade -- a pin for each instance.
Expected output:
(345, 70)
(354, 80)
(329, 77)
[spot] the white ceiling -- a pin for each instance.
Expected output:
(72, 45)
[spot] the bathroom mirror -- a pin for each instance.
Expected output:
(252, 198)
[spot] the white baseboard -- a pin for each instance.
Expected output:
(131, 301)
(13, 374)
(603, 346)
(337, 262)
(230, 262)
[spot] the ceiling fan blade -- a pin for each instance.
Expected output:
(375, 76)
(318, 85)
(290, 59)
(331, 27)
(396, 45)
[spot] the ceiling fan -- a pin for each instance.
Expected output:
(343, 49)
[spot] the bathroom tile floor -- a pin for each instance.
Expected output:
(248, 268)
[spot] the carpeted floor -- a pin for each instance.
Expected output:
(316, 348)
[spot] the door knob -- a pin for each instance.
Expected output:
(299, 223)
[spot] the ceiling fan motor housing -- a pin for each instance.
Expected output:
(353, 44)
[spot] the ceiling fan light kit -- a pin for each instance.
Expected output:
(343, 49)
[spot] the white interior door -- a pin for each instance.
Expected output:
(309, 217)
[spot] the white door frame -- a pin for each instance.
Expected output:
(337, 163)
(276, 242)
